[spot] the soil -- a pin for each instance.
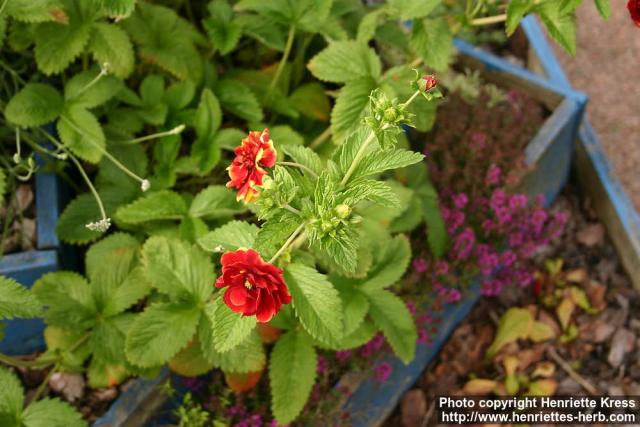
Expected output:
(17, 220)
(606, 69)
(602, 358)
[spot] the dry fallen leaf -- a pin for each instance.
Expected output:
(413, 408)
(479, 387)
(544, 370)
(71, 386)
(591, 235)
(622, 344)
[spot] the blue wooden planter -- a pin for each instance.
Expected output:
(25, 336)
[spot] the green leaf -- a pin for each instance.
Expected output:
(391, 315)
(516, 10)
(343, 61)
(113, 256)
(604, 8)
(80, 91)
(514, 324)
(236, 98)
(207, 121)
(71, 226)
(33, 11)
(356, 307)
(108, 338)
(3, 183)
(305, 15)
(411, 9)
(379, 161)
(230, 329)
(433, 42)
(365, 332)
(161, 205)
(166, 40)
(111, 44)
(176, 268)
(437, 236)
(370, 189)
(292, 372)
(350, 107)
(52, 413)
(134, 287)
(223, 31)
(249, 356)
(230, 237)
(316, 302)
(17, 301)
(390, 264)
(81, 132)
(35, 105)
(311, 100)
(11, 398)
(561, 27)
(214, 202)
(306, 157)
(160, 332)
(191, 361)
(57, 44)
(274, 232)
(118, 8)
(263, 30)
(369, 24)
(68, 299)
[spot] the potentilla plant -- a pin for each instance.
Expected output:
(304, 269)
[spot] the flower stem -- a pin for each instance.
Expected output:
(103, 72)
(43, 385)
(91, 187)
(175, 131)
(489, 20)
(283, 61)
(320, 139)
(299, 166)
(288, 242)
(19, 363)
(357, 158)
(292, 209)
(410, 100)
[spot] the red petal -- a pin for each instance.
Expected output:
(237, 295)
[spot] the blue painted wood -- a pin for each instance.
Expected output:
(48, 208)
(543, 51)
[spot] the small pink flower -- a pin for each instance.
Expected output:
(383, 372)
(494, 175)
(419, 265)
(460, 200)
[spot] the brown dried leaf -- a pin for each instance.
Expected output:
(479, 387)
(591, 235)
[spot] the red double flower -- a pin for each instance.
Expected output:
(255, 153)
(634, 11)
(254, 287)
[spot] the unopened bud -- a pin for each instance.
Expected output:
(390, 114)
(428, 82)
(343, 211)
(145, 185)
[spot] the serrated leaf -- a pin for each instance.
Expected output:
(311, 100)
(356, 307)
(236, 98)
(111, 44)
(230, 329)
(17, 301)
(516, 10)
(108, 338)
(80, 91)
(71, 226)
(390, 264)
(343, 61)
(437, 235)
(391, 315)
(433, 42)
(176, 268)
(274, 232)
(369, 24)
(292, 372)
(230, 237)
(166, 40)
(33, 11)
(135, 287)
(207, 121)
(306, 157)
(35, 105)
(118, 8)
(161, 205)
(51, 413)
(114, 255)
(316, 302)
(370, 189)
(411, 9)
(82, 133)
(214, 202)
(604, 8)
(160, 332)
(561, 27)
(221, 27)
(362, 335)
(305, 15)
(191, 361)
(379, 161)
(263, 30)
(249, 356)
(11, 397)
(57, 44)
(67, 298)
(350, 107)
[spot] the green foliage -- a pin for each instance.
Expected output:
(231, 236)
(16, 300)
(345, 61)
(292, 370)
(433, 42)
(230, 329)
(35, 105)
(560, 25)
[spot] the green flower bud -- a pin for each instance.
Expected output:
(343, 211)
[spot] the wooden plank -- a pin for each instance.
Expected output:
(541, 57)
(47, 209)
(610, 201)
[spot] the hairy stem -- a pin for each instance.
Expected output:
(299, 166)
(489, 20)
(292, 209)
(288, 242)
(175, 131)
(19, 363)
(283, 61)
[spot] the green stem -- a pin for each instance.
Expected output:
(91, 187)
(357, 158)
(283, 61)
(299, 166)
(101, 74)
(410, 100)
(292, 209)
(288, 242)
(43, 385)
(320, 139)
(175, 131)
(19, 363)
(489, 20)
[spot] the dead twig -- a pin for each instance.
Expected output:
(590, 388)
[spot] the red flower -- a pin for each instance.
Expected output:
(634, 11)
(246, 171)
(254, 287)
(428, 82)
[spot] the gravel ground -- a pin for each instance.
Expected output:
(607, 68)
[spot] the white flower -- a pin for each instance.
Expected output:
(145, 185)
(101, 226)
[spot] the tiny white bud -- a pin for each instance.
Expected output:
(105, 68)
(219, 249)
(145, 185)
(62, 156)
(16, 158)
(177, 130)
(101, 226)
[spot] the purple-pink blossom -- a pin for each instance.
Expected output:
(383, 372)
